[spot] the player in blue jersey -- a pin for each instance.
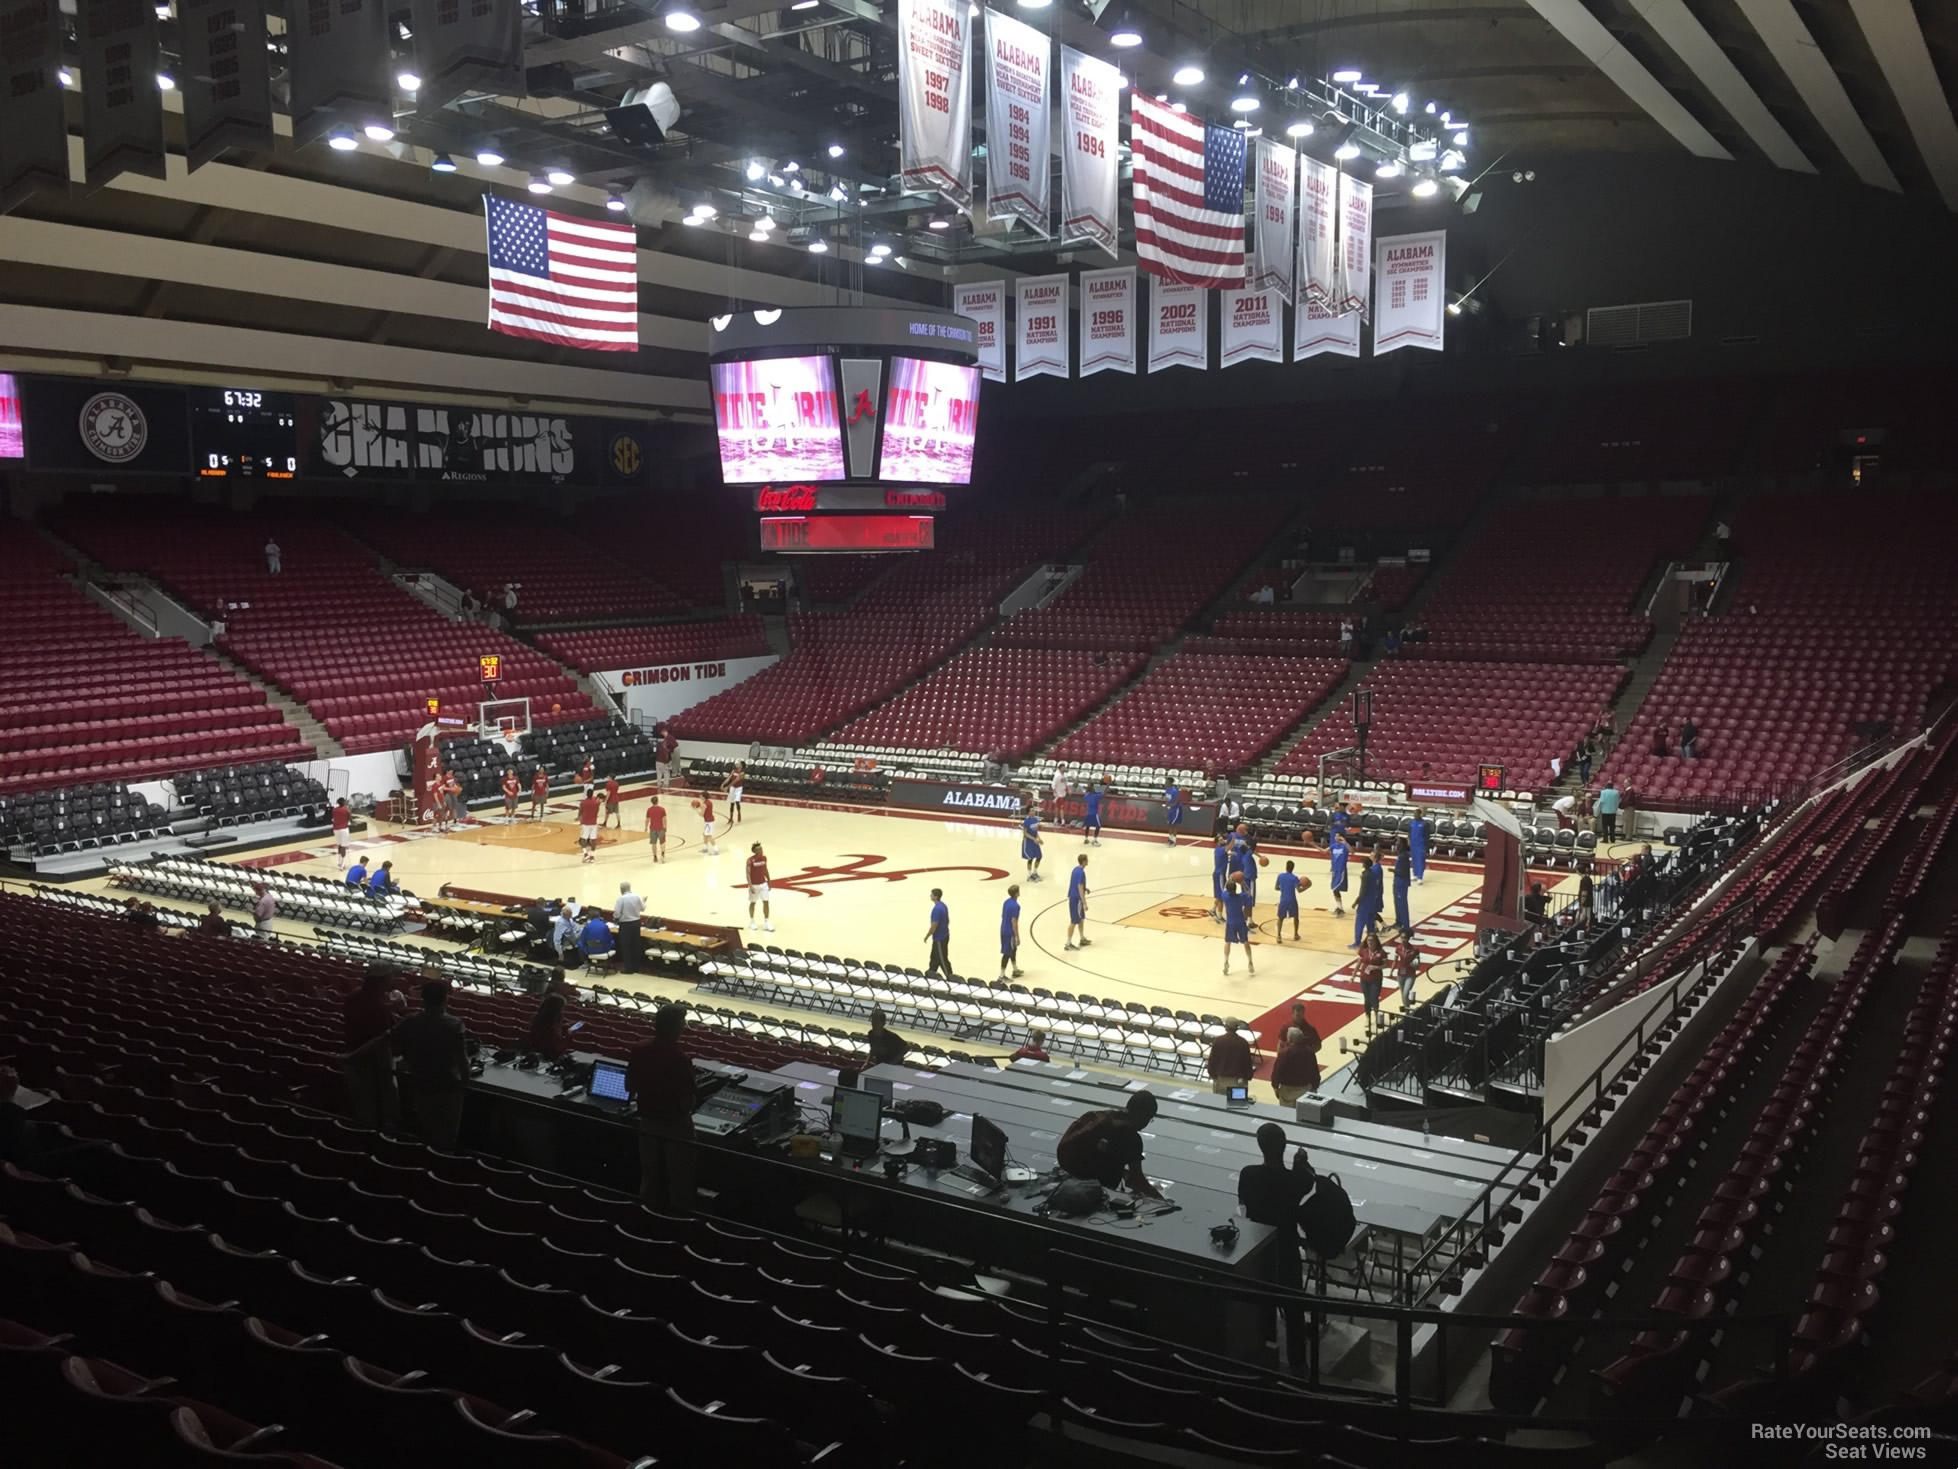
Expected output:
(1009, 934)
(1173, 809)
(1417, 844)
(1403, 870)
(1244, 856)
(1077, 903)
(1030, 842)
(1220, 866)
(1237, 926)
(1091, 790)
(1289, 883)
(1337, 853)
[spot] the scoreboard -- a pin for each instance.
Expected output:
(243, 433)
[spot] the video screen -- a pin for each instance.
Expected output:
(778, 419)
(930, 421)
(13, 438)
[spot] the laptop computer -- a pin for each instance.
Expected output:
(880, 1086)
(1238, 1096)
(858, 1117)
(987, 1163)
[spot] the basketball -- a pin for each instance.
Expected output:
(1264, 861)
(557, 708)
(696, 805)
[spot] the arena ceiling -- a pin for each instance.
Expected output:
(367, 267)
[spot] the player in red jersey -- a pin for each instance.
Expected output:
(540, 792)
(656, 828)
(584, 772)
(708, 849)
(438, 803)
(512, 788)
(758, 887)
(452, 793)
(588, 824)
(737, 779)
(343, 821)
(612, 817)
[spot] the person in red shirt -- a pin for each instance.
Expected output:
(708, 848)
(588, 825)
(663, 754)
(612, 817)
(540, 792)
(512, 789)
(659, 1077)
(656, 828)
(343, 821)
(366, 1018)
(452, 790)
(548, 1036)
(584, 772)
(438, 803)
(1231, 1062)
(758, 887)
(737, 780)
(1034, 1050)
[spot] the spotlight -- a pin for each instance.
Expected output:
(880, 250)
(1300, 129)
(755, 173)
(1422, 150)
(615, 203)
(1347, 74)
(1454, 308)
(1347, 150)
(819, 247)
(408, 81)
(835, 150)
(167, 83)
(539, 184)
(837, 192)
(1187, 76)
(1244, 103)
(443, 163)
(342, 142)
(940, 223)
(682, 21)
(694, 221)
(705, 211)
(561, 179)
(760, 237)
(1399, 103)
(379, 132)
(1391, 169)
(1125, 36)
(1426, 189)
(489, 157)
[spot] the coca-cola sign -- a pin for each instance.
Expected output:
(793, 497)
(800, 499)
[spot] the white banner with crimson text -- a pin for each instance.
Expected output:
(1040, 327)
(1409, 292)
(1108, 301)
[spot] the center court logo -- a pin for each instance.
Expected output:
(983, 800)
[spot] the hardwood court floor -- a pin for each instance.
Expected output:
(857, 884)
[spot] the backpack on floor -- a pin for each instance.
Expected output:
(1326, 1217)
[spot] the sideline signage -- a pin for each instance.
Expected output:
(1127, 813)
(781, 499)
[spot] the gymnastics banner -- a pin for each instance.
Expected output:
(1253, 329)
(1270, 262)
(985, 303)
(1040, 325)
(1411, 273)
(1179, 326)
(1091, 96)
(1107, 321)
(1318, 206)
(1019, 61)
(1316, 330)
(1355, 254)
(122, 107)
(934, 98)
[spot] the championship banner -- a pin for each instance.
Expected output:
(1179, 326)
(1019, 63)
(1091, 91)
(934, 98)
(1269, 262)
(460, 48)
(337, 68)
(122, 106)
(1355, 255)
(33, 124)
(1253, 329)
(225, 78)
(1107, 321)
(1318, 210)
(1316, 330)
(1407, 311)
(1040, 323)
(986, 305)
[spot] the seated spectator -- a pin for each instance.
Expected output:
(1231, 1062)
(1106, 1145)
(1034, 1050)
(595, 938)
(214, 923)
(886, 1045)
(564, 931)
(548, 1035)
(357, 874)
(139, 913)
(380, 882)
(1295, 1069)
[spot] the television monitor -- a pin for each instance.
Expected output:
(858, 1117)
(778, 419)
(988, 1148)
(880, 1085)
(931, 418)
(13, 437)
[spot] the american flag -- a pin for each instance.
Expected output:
(1189, 196)
(555, 278)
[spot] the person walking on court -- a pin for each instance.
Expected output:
(1030, 841)
(1091, 790)
(540, 792)
(343, 822)
(1077, 903)
(656, 828)
(1417, 845)
(1289, 885)
(1237, 924)
(1402, 874)
(1609, 800)
(612, 817)
(939, 932)
(1336, 855)
(1173, 809)
(1371, 902)
(1373, 975)
(708, 848)
(588, 825)
(758, 887)
(1009, 934)
(512, 790)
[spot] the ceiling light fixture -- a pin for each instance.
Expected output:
(1346, 74)
(1367, 89)
(1245, 103)
(1292, 85)
(1391, 169)
(760, 237)
(835, 150)
(755, 172)
(1347, 150)
(1125, 36)
(941, 223)
(443, 163)
(880, 250)
(380, 132)
(1187, 76)
(1460, 140)
(1035, 4)
(693, 221)
(776, 179)
(1178, 107)
(765, 223)
(167, 83)
(792, 167)
(683, 21)
(1454, 308)
(489, 157)
(67, 77)
(562, 179)
(1426, 189)
(408, 81)
(342, 141)
(615, 203)
(1399, 103)
(705, 211)
(819, 247)
(805, 4)
(539, 184)
(1429, 109)
(1300, 129)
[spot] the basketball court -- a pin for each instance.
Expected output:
(857, 884)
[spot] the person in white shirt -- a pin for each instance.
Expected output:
(1564, 805)
(265, 909)
(272, 564)
(1060, 796)
(627, 913)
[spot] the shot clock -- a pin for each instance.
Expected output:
(243, 433)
